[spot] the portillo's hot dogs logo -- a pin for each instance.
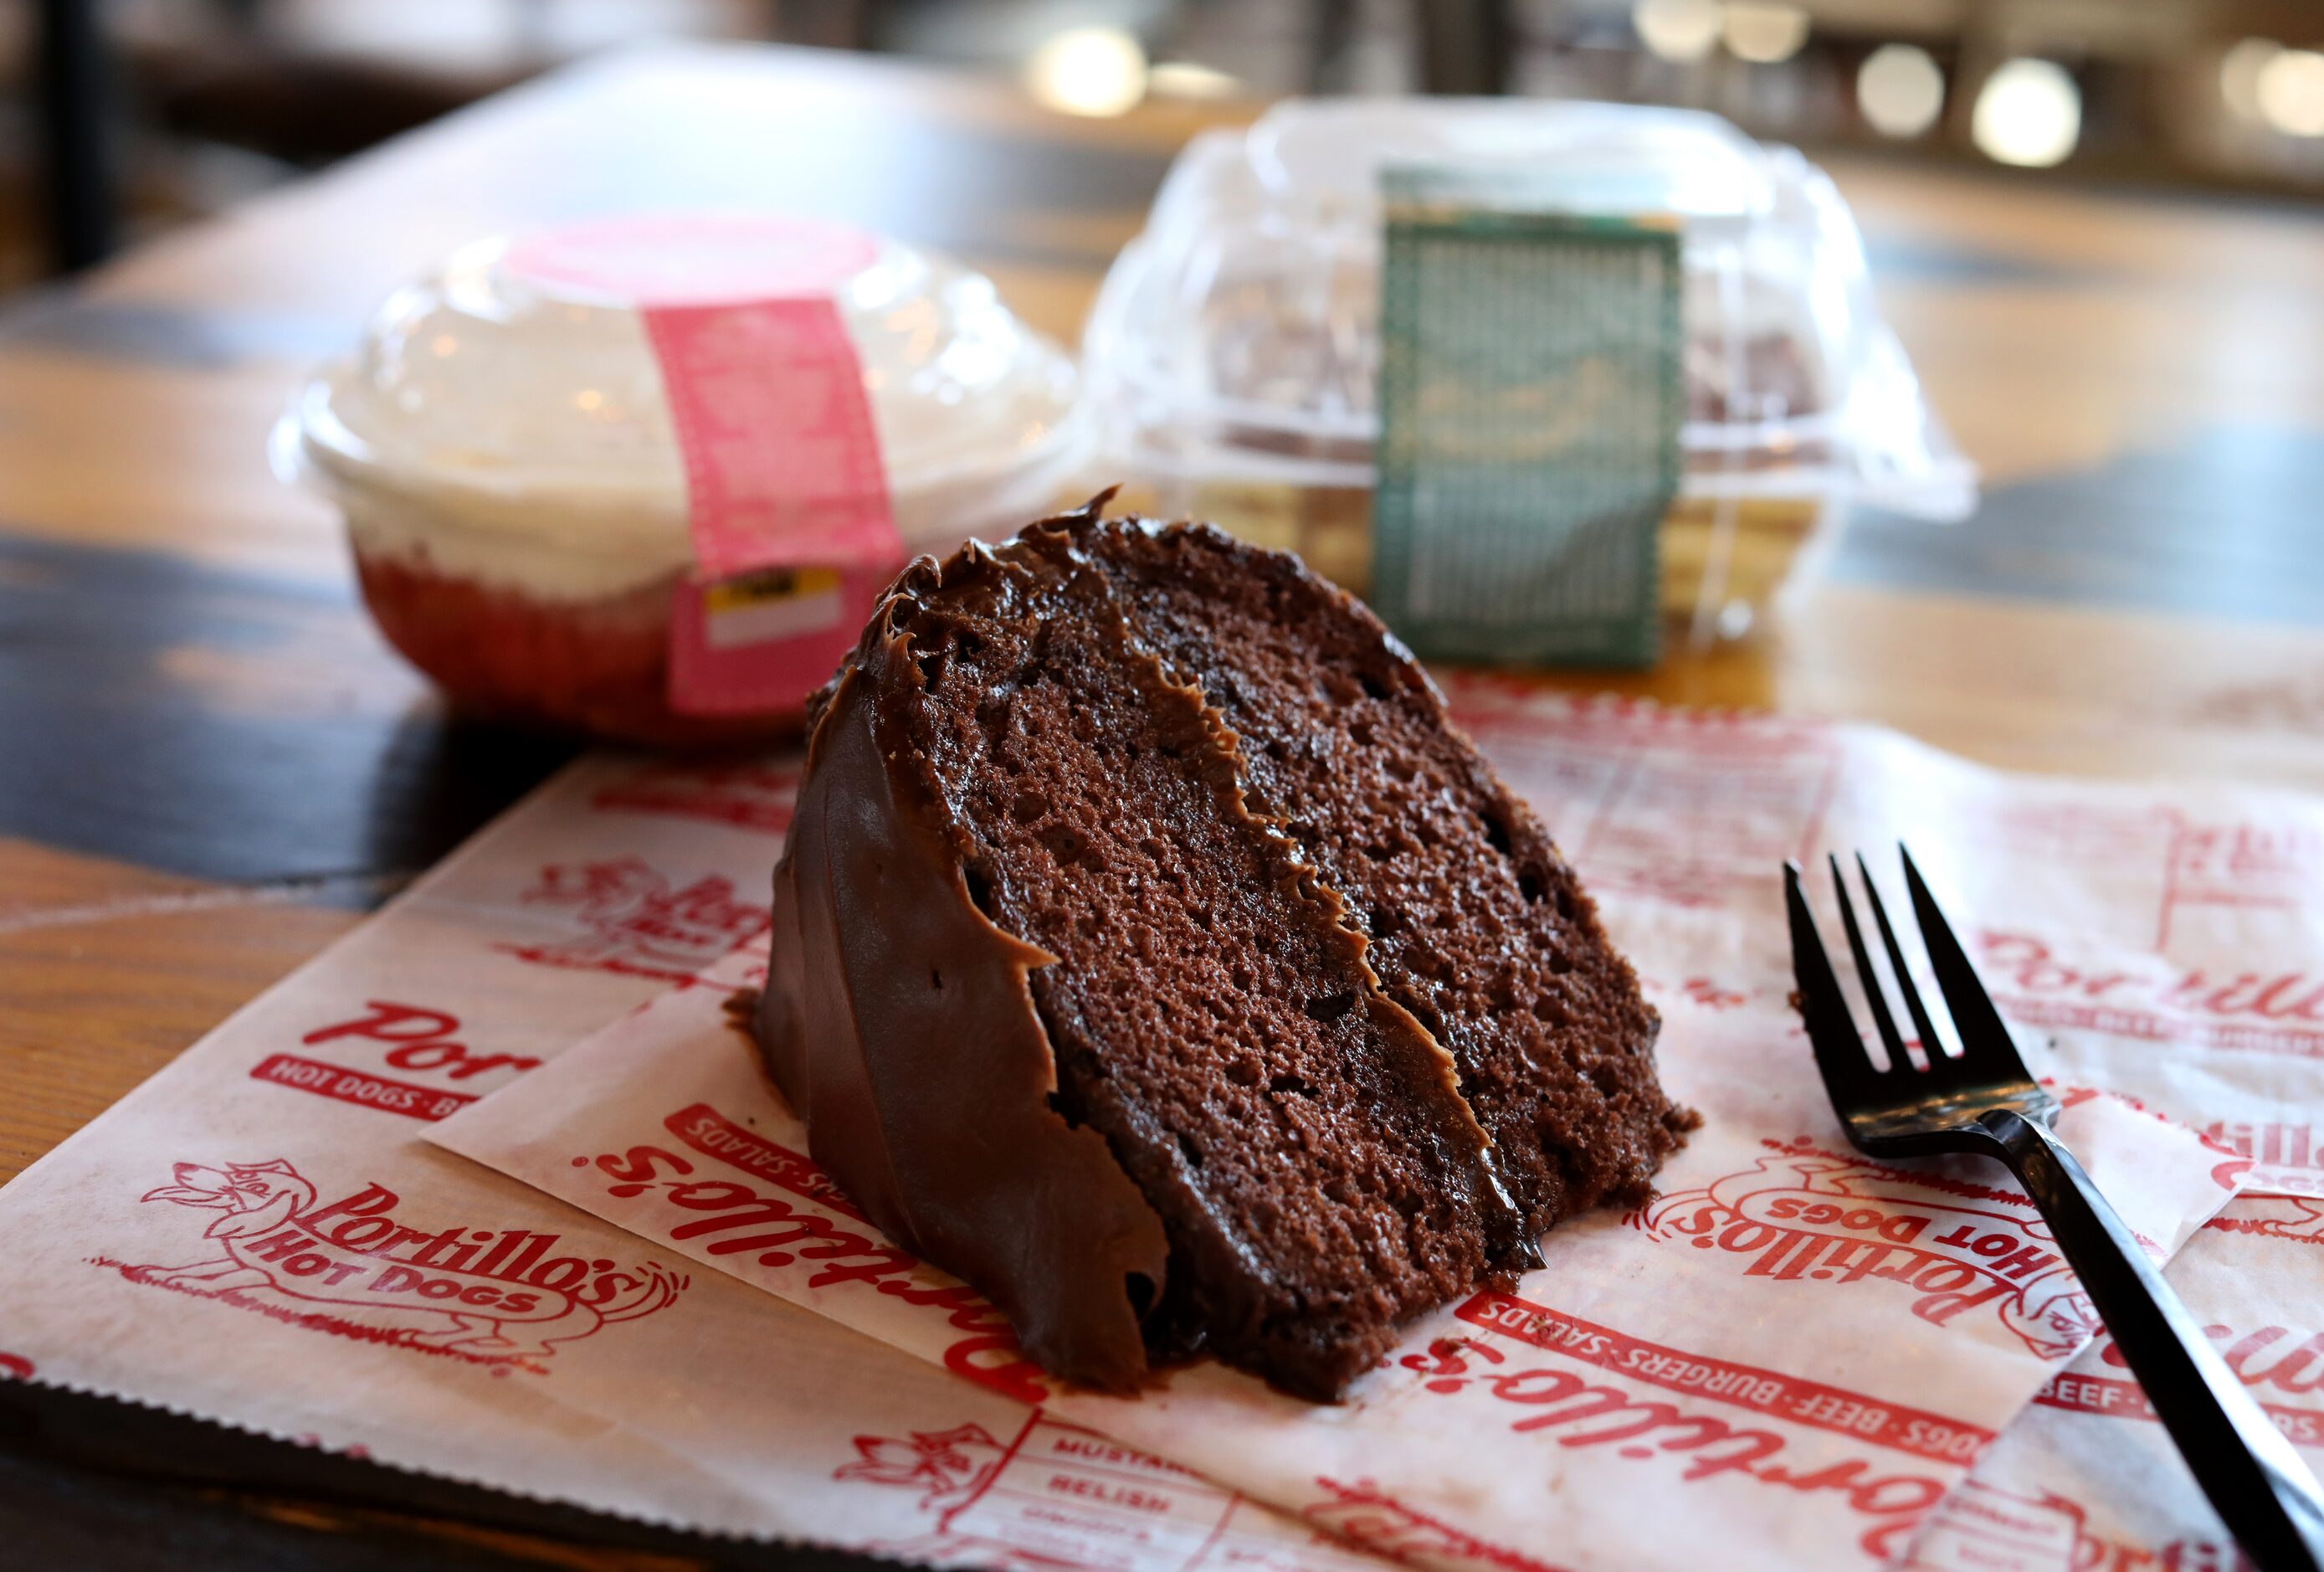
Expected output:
(1950, 1251)
(633, 919)
(498, 1296)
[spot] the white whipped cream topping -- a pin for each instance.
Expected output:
(505, 428)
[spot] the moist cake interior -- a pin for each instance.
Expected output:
(1478, 926)
(1317, 1174)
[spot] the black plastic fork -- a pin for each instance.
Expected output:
(1984, 1101)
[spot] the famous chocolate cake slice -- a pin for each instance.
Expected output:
(1151, 952)
(1477, 925)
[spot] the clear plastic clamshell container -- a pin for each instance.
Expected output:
(515, 493)
(1233, 351)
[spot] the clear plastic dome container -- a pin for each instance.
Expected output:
(514, 490)
(1233, 351)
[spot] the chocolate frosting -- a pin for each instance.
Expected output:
(908, 1030)
(899, 1021)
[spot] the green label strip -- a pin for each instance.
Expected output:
(1530, 397)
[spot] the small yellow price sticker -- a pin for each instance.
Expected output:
(746, 591)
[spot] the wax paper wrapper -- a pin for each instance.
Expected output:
(485, 1331)
(1794, 1353)
(2086, 1477)
(258, 1236)
(2163, 941)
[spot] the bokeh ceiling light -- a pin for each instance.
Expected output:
(2029, 112)
(1677, 30)
(1191, 80)
(1901, 89)
(2291, 92)
(1088, 70)
(2239, 70)
(1762, 32)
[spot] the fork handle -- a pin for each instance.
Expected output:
(2255, 1480)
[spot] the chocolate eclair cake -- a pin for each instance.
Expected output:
(1151, 952)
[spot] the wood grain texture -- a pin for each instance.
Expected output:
(62, 1517)
(209, 765)
(102, 449)
(108, 971)
(89, 1482)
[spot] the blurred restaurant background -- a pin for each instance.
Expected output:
(122, 118)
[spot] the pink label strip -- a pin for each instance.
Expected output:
(782, 470)
(782, 462)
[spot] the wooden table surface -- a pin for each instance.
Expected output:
(210, 766)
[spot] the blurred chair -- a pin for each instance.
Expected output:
(73, 81)
(1466, 46)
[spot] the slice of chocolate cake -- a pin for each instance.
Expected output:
(1151, 952)
(1478, 926)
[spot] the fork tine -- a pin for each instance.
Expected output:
(1848, 1074)
(1874, 994)
(1983, 1035)
(1931, 1046)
